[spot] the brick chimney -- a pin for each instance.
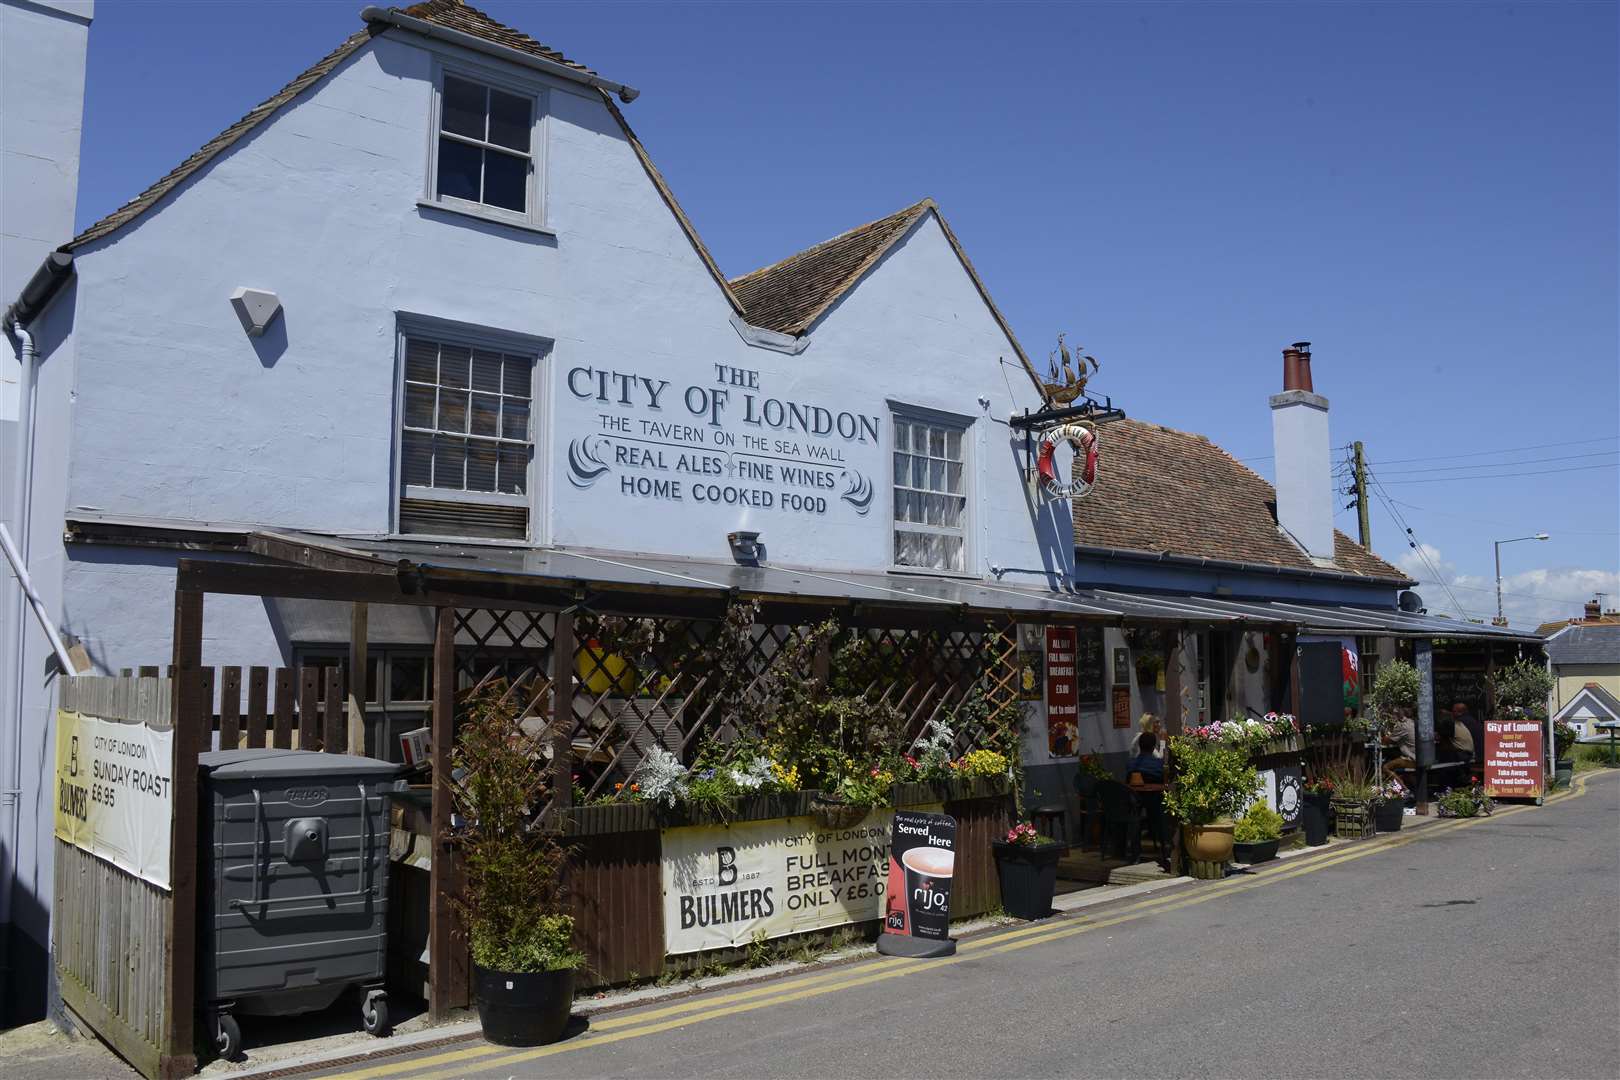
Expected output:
(1304, 469)
(1594, 610)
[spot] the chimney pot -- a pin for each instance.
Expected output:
(1290, 369)
(1594, 610)
(1303, 348)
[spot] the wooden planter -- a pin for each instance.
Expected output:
(1353, 819)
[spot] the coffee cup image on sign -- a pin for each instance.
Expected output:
(928, 890)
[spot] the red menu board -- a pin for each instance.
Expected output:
(1062, 697)
(1513, 768)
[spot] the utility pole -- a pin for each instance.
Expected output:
(1363, 518)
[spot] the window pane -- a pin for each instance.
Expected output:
(936, 476)
(453, 365)
(462, 109)
(486, 371)
(506, 181)
(902, 468)
(935, 509)
(514, 470)
(509, 120)
(452, 410)
(480, 467)
(515, 418)
(486, 414)
(953, 511)
(952, 550)
(953, 478)
(919, 472)
(418, 406)
(953, 445)
(416, 460)
(449, 461)
(519, 376)
(936, 442)
(458, 170)
(902, 436)
(421, 361)
(407, 678)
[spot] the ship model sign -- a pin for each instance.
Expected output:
(1067, 415)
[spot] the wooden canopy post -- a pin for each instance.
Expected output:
(358, 678)
(177, 1053)
(447, 958)
(1175, 684)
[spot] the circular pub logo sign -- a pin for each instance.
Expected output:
(1082, 477)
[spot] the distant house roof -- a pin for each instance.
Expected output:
(1163, 491)
(1591, 700)
(789, 296)
(1585, 643)
(450, 14)
(1548, 629)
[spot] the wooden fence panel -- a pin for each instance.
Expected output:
(230, 708)
(258, 698)
(285, 689)
(110, 928)
(618, 899)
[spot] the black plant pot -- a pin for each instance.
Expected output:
(1387, 815)
(1028, 877)
(1258, 852)
(1313, 816)
(528, 1008)
(1563, 773)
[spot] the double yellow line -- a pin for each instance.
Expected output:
(697, 1010)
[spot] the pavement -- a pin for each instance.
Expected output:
(1484, 947)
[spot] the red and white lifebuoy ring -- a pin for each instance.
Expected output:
(1083, 438)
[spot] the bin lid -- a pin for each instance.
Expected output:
(265, 762)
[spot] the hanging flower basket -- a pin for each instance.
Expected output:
(832, 812)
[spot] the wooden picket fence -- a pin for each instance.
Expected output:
(286, 708)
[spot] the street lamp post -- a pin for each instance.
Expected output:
(1500, 621)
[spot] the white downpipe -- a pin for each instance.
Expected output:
(11, 794)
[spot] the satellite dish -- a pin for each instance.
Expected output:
(1410, 601)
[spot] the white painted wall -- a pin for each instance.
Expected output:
(1299, 429)
(41, 113)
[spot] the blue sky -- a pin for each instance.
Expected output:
(1427, 192)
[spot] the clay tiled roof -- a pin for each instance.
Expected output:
(1166, 491)
(788, 296)
(451, 14)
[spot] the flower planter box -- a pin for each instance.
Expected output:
(1353, 819)
(1389, 814)
(923, 792)
(1289, 744)
(1258, 852)
(1028, 877)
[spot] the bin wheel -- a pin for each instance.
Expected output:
(374, 1014)
(227, 1037)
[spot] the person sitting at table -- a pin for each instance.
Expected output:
(1149, 760)
(1402, 742)
(1452, 741)
(1467, 721)
(1150, 726)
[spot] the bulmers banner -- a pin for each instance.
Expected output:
(114, 793)
(725, 883)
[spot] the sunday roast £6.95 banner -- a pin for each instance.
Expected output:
(725, 883)
(114, 793)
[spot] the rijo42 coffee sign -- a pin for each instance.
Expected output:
(727, 443)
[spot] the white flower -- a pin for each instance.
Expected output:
(662, 777)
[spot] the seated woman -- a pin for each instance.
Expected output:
(1147, 761)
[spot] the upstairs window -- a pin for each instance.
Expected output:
(484, 159)
(466, 439)
(930, 493)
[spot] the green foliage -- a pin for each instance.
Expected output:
(1394, 696)
(1258, 824)
(1212, 782)
(510, 907)
(1591, 756)
(1563, 739)
(1524, 686)
(1464, 802)
(760, 952)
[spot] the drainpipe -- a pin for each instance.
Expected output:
(40, 290)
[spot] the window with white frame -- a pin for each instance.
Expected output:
(930, 493)
(466, 437)
(486, 148)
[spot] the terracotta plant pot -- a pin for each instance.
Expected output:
(1209, 843)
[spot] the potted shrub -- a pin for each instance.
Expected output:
(1352, 805)
(1026, 864)
(1522, 691)
(1257, 834)
(1389, 806)
(1212, 783)
(511, 908)
(1315, 809)
(1465, 802)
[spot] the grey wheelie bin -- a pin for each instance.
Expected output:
(294, 884)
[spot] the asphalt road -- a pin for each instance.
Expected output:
(1488, 948)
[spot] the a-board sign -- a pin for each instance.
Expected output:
(1513, 768)
(922, 859)
(1062, 699)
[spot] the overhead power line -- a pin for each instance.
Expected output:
(1502, 476)
(1412, 541)
(1559, 529)
(1502, 464)
(1501, 450)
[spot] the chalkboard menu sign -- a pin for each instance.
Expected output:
(1089, 666)
(1453, 686)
